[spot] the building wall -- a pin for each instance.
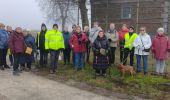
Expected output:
(152, 13)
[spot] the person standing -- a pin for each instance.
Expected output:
(78, 45)
(29, 43)
(129, 47)
(88, 47)
(67, 50)
(142, 46)
(54, 42)
(160, 49)
(101, 52)
(122, 41)
(94, 32)
(41, 45)
(113, 37)
(17, 47)
(3, 46)
(11, 58)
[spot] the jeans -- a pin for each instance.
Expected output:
(145, 62)
(160, 66)
(43, 57)
(17, 58)
(66, 53)
(126, 53)
(79, 60)
(54, 55)
(112, 55)
(3, 53)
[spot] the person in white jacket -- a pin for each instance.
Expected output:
(94, 32)
(142, 46)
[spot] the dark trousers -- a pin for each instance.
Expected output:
(11, 59)
(112, 55)
(73, 58)
(17, 58)
(121, 54)
(126, 53)
(3, 53)
(102, 71)
(54, 55)
(66, 53)
(87, 52)
(43, 57)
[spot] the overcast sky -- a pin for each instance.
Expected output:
(24, 13)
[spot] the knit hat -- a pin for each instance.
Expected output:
(132, 27)
(55, 25)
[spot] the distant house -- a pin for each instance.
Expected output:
(149, 13)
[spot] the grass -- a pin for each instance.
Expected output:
(139, 85)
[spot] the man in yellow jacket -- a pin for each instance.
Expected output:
(129, 48)
(54, 42)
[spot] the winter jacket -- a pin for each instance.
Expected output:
(113, 36)
(101, 61)
(4, 36)
(160, 47)
(16, 43)
(40, 42)
(66, 36)
(122, 37)
(54, 40)
(78, 42)
(129, 39)
(94, 33)
(30, 42)
(139, 46)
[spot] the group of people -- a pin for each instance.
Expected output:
(22, 46)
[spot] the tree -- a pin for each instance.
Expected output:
(61, 10)
(58, 11)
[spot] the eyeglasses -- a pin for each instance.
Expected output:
(142, 30)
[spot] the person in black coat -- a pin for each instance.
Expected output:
(101, 52)
(41, 45)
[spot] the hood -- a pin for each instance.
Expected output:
(43, 25)
(125, 30)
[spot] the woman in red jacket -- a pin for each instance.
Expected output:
(17, 47)
(160, 48)
(78, 44)
(122, 41)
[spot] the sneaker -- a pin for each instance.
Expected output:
(145, 73)
(7, 67)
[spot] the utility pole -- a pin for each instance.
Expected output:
(137, 16)
(107, 17)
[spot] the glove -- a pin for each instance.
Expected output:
(110, 40)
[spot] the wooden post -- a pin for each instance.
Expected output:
(137, 17)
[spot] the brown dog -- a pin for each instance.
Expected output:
(126, 69)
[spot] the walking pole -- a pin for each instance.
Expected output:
(153, 72)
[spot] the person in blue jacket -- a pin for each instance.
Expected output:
(3, 46)
(67, 50)
(28, 59)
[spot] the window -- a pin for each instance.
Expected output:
(126, 12)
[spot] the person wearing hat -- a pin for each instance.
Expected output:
(54, 42)
(41, 45)
(3, 46)
(129, 47)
